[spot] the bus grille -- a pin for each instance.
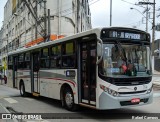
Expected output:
(130, 81)
(136, 92)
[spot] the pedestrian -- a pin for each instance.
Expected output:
(5, 79)
(1, 78)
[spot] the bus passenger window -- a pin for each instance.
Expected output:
(55, 59)
(27, 61)
(21, 61)
(68, 57)
(44, 61)
(68, 61)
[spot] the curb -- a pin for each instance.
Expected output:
(4, 108)
(157, 84)
(13, 120)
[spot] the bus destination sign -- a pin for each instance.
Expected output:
(124, 35)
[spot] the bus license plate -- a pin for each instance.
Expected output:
(135, 100)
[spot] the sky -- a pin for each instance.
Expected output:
(2, 4)
(122, 15)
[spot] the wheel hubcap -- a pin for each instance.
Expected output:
(69, 99)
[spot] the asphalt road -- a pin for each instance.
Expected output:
(10, 98)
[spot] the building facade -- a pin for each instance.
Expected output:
(26, 21)
(1, 33)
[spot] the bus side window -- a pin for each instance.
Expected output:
(55, 59)
(68, 55)
(27, 61)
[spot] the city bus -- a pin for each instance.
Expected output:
(102, 68)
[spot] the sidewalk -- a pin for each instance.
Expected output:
(156, 72)
(156, 78)
(3, 110)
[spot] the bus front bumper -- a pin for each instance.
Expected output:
(107, 101)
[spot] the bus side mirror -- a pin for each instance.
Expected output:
(99, 49)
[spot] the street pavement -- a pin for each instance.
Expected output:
(5, 94)
(45, 105)
(156, 78)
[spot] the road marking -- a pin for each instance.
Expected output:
(38, 121)
(10, 100)
(29, 99)
(1, 97)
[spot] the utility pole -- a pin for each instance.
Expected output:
(59, 17)
(45, 19)
(153, 29)
(153, 35)
(147, 9)
(36, 31)
(147, 19)
(49, 25)
(110, 12)
(78, 16)
(33, 14)
(153, 23)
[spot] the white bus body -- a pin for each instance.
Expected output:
(93, 79)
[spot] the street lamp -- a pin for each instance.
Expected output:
(143, 16)
(138, 11)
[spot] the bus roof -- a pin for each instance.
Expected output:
(96, 31)
(43, 44)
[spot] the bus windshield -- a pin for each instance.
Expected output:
(121, 60)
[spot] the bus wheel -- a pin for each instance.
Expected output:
(69, 99)
(22, 89)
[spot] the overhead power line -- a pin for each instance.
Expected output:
(131, 3)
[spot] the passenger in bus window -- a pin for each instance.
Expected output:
(121, 62)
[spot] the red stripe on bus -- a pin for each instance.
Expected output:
(62, 80)
(53, 79)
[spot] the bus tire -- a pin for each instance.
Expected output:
(69, 99)
(22, 90)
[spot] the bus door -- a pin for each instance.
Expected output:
(15, 62)
(35, 72)
(88, 72)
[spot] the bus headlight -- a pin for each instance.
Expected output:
(149, 90)
(109, 91)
